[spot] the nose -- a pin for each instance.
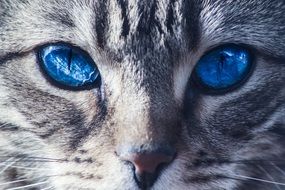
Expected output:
(147, 165)
(149, 162)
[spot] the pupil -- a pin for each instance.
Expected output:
(70, 55)
(221, 66)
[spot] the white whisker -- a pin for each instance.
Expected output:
(268, 175)
(11, 182)
(8, 160)
(256, 179)
(27, 168)
(8, 165)
(3, 125)
(30, 179)
(278, 168)
(34, 158)
(48, 188)
(31, 185)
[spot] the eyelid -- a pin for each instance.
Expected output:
(214, 47)
(63, 43)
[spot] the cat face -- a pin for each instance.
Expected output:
(155, 119)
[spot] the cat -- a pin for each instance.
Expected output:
(173, 94)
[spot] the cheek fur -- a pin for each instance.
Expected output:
(148, 103)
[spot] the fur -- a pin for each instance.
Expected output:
(51, 138)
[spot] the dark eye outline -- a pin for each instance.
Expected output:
(95, 85)
(205, 89)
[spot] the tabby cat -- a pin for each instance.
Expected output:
(142, 95)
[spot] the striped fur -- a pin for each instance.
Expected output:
(145, 51)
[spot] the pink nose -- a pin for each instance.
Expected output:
(148, 163)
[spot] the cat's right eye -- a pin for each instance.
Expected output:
(223, 68)
(68, 66)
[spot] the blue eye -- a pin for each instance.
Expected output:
(68, 66)
(223, 68)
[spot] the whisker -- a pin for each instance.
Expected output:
(35, 159)
(48, 188)
(25, 186)
(46, 158)
(27, 168)
(11, 182)
(3, 125)
(252, 162)
(40, 161)
(242, 177)
(22, 180)
(260, 161)
(278, 168)
(9, 159)
(7, 166)
(256, 161)
(268, 175)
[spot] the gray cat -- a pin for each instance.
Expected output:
(158, 94)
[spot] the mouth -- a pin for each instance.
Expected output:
(146, 180)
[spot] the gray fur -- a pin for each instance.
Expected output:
(145, 51)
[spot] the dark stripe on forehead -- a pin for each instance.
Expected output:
(148, 20)
(126, 25)
(101, 22)
(279, 129)
(170, 16)
(192, 10)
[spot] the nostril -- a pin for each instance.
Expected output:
(147, 166)
(148, 163)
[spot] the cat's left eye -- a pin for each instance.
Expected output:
(68, 66)
(223, 68)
